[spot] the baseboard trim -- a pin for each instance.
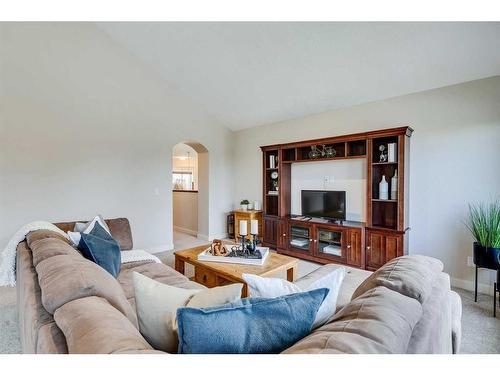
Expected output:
(186, 230)
(202, 237)
(469, 285)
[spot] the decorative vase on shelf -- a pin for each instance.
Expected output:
(383, 154)
(383, 189)
(256, 205)
(394, 186)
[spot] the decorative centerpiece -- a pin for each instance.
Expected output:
(322, 151)
(245, 252)
(218, 249)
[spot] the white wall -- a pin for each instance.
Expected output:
(185, 206)
(343, 175)
(455, 158)
(87, 128)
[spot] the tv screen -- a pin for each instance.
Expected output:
(325, 204)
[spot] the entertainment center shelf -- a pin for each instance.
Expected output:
(367, 245)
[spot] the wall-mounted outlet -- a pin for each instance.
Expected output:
(327, 180)
(470, 262)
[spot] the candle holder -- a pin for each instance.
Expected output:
(254, 242)
(244, 244)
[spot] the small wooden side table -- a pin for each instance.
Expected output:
(246, 215)
(212, 274)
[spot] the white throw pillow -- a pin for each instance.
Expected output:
(75, 238)
(273, 287)
(157, 305)
(86, 228)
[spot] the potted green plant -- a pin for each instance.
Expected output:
(244, 204)
(484, 224)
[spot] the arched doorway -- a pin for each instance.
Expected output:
(190, 185)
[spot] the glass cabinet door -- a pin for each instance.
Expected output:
(300, 237)
(329, 243)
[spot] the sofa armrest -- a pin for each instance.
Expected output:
(456, 321)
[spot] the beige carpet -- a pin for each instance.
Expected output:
(480, 331)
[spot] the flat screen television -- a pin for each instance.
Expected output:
(325, 204)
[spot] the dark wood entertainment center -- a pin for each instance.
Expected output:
(366, 245)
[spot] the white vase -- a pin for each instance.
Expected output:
(394, 185)
(383, 189)
(256, 205)
(243, 207)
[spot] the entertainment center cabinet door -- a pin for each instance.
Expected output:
(270, 231)
(354, 246)
(331, 243)
(381, 247)
(282, 234)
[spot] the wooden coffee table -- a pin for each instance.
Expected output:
(212, 274)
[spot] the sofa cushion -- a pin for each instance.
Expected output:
(64, 278)
(92, 326)
(251, 325)
(157, 305)
(44, 247)
(51, 340)
(412, 276)
(379, 321)
(43, 234)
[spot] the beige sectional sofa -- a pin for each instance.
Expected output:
(68, 304)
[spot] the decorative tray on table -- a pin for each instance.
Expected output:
(233, 253)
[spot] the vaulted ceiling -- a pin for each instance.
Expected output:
(250, 74)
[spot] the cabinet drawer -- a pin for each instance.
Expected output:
(205, 277)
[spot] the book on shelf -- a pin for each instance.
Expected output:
(301, 242)
(272, 192)
(333, 250)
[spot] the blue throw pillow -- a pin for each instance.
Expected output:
(102, 249)
(251, 325)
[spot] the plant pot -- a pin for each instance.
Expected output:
(486, 257)
(244, 207)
